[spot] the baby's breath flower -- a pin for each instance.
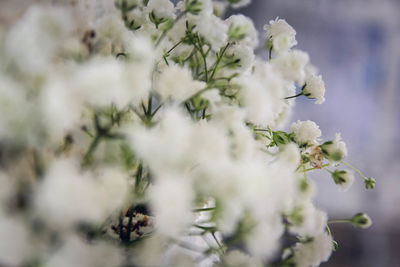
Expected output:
(314, 88)
(313, 253)
(334, 150)
(306, 133)
(343, 178)
(177, 83)
(292, 65)
(281, 35)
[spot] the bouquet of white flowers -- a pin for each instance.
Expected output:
(150, 134)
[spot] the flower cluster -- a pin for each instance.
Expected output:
(150, 134)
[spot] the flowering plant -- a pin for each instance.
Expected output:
(150, 134)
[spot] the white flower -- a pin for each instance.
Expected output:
(20, 121)
(307, 220)
(78, 252)
(215, 31)
(243, 55)
(171, 198)
(306, 132)
(33, 42)
(15, 245)
(343, 178)
(292, 65)
(213, 97)
(177, 83)
(242, 30)
(282, 35)
(105, 81)
(314, 88)
(314, 252)
(219, 8)
(66, 196)
(291, 155)
(261, 94)
(62, 107)
(263, 240)
(334, 150)
(236, 258)
(162, 9)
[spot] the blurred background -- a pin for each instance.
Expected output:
(356, 46)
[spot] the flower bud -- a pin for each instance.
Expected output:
(343, 178)
(361, 220)
(369, 183)
(334, 150)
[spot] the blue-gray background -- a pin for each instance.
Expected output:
(356, 46)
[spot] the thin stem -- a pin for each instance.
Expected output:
(329, 231)
(203, 55)
(356, 170)
(217, 241)
(311, 169)
(219, 60)
(293, 96)
(270, 53)
(203, 209)
(205, 228)
(172, 48)
(339, 221)
(197, 93)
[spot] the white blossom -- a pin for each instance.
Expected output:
(292, 65)
(171, 199)
(77, 252)
(32, 43)
(163, 9)
(177, 83)
(343, 178)
(215, 31)
(314, 88)
(240, 259)
(315, 252)
(67, 196)
(306, 132)
(282, 35)
(242, 29)
(334, 150)
(15, 245)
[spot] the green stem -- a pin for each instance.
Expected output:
(329, 231)
(270, 53)
(356, 170)
(172, 48)
(205, 228)
(89, 153)
(197, 93)
(221, 54)
(293, 96)
(311, 169)
(339, 221)
(203, 209)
